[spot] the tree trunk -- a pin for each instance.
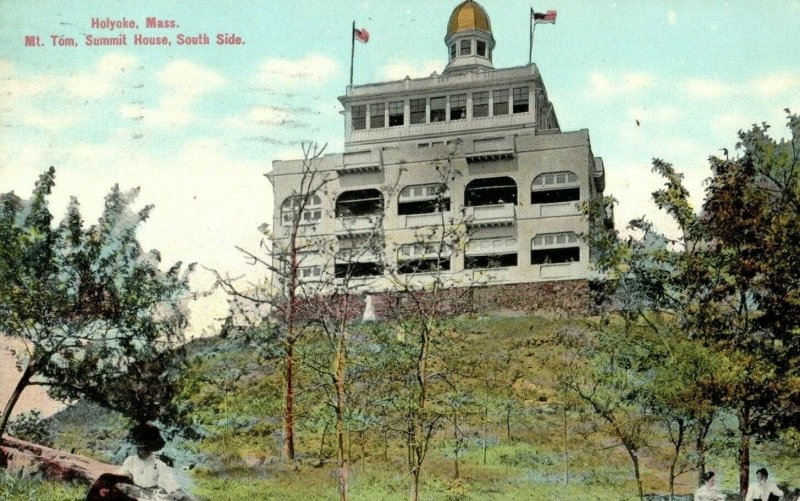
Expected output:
(455, 439)
(635, 458)
(29, 371)
(677, 444)
(508, 423)
(288, 423)
(744, 451)
(415, 485)
(339, 380)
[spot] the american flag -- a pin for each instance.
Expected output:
(361, 35)
(547, 17)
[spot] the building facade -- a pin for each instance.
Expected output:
(475, 147)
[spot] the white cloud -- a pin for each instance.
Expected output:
(48, 120)
(398, 70)
(100, 81)
(605, 86)
(729, 123)
(189, 80)
(185, 82)
(311, 70)
(672, 17)
(706, 89)
(773, 85)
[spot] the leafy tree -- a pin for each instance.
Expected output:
(97, 316)
(729, 282)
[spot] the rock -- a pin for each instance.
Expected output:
(28, 459)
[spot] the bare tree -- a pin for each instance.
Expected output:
(282, 257)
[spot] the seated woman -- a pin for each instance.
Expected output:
(708, 489)
(145, 469)
(151, 478)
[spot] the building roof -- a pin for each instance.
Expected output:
(468, 15)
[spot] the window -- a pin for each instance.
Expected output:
(480, 104)
(292, 206)
(490, 261)
(481, 48)
(520, 99)
(396, 113)
(438, 111)
(555, 187)
(458, 107)
(452, 52)
(555, 248)
(423, 199)
(310, 271)
(376, 115)
(359, 115)
(466, 47)
(500, 102)
(344, 270)
(417, 111)
(490, 191)
(359, 203)
(423, 257)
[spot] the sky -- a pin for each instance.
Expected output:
(197, 126)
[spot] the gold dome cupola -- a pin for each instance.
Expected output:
(469, 39)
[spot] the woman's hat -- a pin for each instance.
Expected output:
(146, 436)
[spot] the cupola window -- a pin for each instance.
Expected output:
(481, 46)
(466, 47)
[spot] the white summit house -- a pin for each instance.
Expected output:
(521, 178)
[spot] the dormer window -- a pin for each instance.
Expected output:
(466, 47)
(481, 48)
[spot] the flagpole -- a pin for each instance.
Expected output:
(352, 50)
(530, 47)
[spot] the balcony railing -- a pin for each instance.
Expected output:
(487, 246)
(422, 220)
(491, 215)
(560, 270)
(353, 225)
(559, 209)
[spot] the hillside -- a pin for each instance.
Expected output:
(504, 437)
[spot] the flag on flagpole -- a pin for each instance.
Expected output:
(548, 17)
(361, 35)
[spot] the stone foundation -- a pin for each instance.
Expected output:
(570, 297)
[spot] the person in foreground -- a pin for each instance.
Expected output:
(708, 488)
(763, 489)
(142, 477)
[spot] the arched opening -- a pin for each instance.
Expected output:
(555, 187)
(490, 191)
(356, 203)
(306, 210)
(552, 248)
(423, 199)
